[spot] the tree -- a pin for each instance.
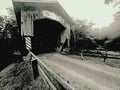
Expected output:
(11, 17)
(1, 22)
(81, 31)
(116, 2)
(113, 30)
(1, 19)
(102, 41)
(113, 44)
(82, 28)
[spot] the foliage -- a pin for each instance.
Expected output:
(101, 41)
(82, 27)
(1, 19)
(113, 44)
(116, 2)
(80, 32)
(86, 43)
(1, 23)
(11, 18)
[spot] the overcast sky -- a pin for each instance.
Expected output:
(3, 5)
(92, 10)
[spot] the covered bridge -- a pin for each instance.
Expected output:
(44, 23)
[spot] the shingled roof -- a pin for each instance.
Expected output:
(51, 5)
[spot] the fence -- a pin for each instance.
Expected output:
(53, 80)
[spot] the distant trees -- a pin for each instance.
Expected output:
(116, 2)
(82, 28)
(7, 22)
(1, 22)
(80, 32)
(113, 44)
(109, 37)
(101, 41)
(11, 17)
(1, 19)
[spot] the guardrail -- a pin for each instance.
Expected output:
(105, 55)
(97, 55)
(53, 80)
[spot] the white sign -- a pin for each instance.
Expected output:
(52, 15)
(26, 24)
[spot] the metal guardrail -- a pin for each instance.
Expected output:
(55, 82)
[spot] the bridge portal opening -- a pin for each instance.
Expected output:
(47, 36)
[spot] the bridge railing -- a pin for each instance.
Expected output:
(54, 81)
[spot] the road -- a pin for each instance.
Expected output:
(83, 75)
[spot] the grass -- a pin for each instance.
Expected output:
(111, 62)
(20, 77)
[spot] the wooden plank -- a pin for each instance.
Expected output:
(35, 69)
(62, 82)
(46, 78)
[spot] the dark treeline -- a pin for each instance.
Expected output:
(81, 38)
(11, 45)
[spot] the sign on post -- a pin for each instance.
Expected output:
(26, 23)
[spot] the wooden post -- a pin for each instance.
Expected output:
(35, 68)
(68, 35)
(82, 58)
(105, 56)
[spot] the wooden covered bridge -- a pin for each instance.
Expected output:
(44, 23)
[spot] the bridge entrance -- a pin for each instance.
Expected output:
(47, 35)
(45, 25)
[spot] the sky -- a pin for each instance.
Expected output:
(92, 10)
(3, 5)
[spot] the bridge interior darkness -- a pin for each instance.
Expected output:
(47, 35)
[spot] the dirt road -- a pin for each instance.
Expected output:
(81, 74)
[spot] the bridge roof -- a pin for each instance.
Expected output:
(51, 5)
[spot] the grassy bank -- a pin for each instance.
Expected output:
(19, 76)
(111, 62)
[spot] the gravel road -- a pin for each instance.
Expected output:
(83, 75)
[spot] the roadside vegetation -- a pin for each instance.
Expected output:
(19, 76)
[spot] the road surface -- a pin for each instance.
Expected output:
(83, 75)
